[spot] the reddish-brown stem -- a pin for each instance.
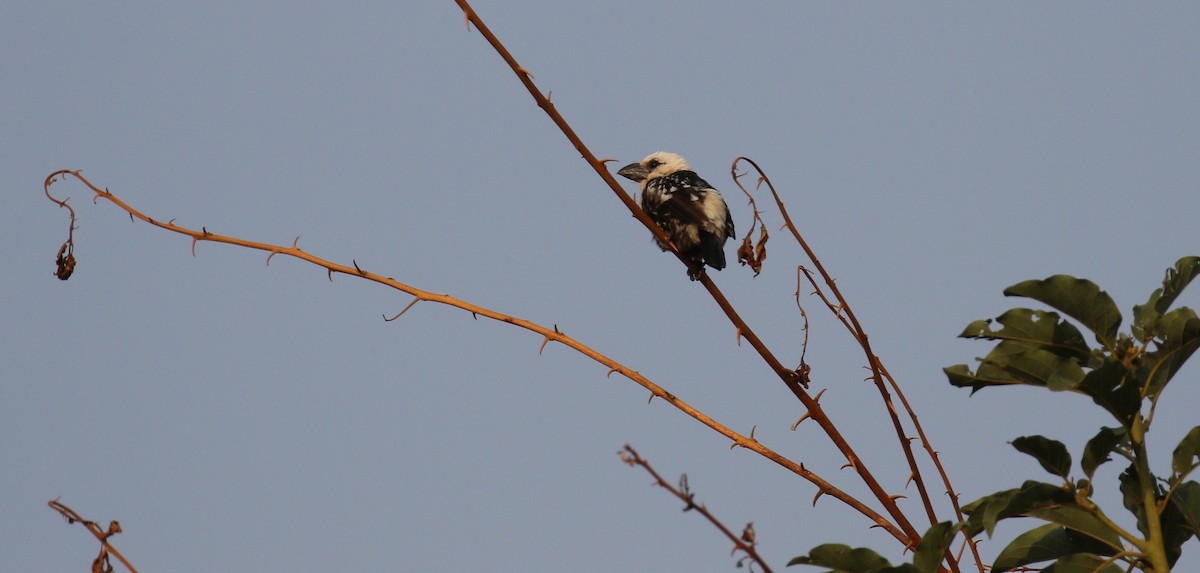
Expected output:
(789, 377)
(552, 334)
(847, 317)
(740, 543)
(91, 526)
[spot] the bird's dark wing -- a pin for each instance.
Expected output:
(680, 195)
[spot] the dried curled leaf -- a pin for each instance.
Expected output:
(754, 254)
(65, 261)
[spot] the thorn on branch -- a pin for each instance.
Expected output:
(205, 229)
(295, 242)
(610, 372)
(545, 341)
(194, 241)
(360, 271)
(806, 416)
(401, 313)
(271, 254)
(820, 493)
(329, 273)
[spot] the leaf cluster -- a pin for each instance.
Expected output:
(1125, 374)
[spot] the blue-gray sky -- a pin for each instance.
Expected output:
(254, 418)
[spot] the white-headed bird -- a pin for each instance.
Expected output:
(689, 210)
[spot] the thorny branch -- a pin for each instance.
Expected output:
(841, 309)
(101, 564)
(790, 377)
(794, 379)
(553, 334)
(745, 542)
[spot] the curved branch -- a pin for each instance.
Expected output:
(549, 334)
(100, 534)
(791, 378)
(879, 372)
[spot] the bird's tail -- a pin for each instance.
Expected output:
(713, 251)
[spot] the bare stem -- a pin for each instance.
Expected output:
(552, 334)
(744, 543)
(102, 535)
(790, 377)
(841, 309)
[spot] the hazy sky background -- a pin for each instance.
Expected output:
(240, 417)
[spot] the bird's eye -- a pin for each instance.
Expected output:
(652, 164)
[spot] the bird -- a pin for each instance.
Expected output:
(691, 212)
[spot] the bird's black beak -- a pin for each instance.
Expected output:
(634, 171)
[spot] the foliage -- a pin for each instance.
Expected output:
(1126, 375)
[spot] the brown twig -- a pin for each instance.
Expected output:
(790, 377)
(65, 261)
(879, 373)
(101, 564)
(553, 334)
(745, 542)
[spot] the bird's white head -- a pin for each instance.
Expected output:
(656, 164)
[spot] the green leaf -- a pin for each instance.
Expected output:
(986, 511)
(1110, 387)
(1187, 451)
(844, 559)
(1043, 544)
(1035, 328)
(1080, 299)
(1176, 529)
(1042, 501)
(1145, 316)
(1079, 520)
(1177, 279)
(1131, 497)
(1097, 449)
(1082, 563)
(1178, 336)
(1186, 499)
(1014, 363)
(1051, 454)
(932, 548)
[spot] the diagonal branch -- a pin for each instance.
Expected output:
(879, 373)
(101, 562)
(744, 543)
(553, 334)
(790, 377)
